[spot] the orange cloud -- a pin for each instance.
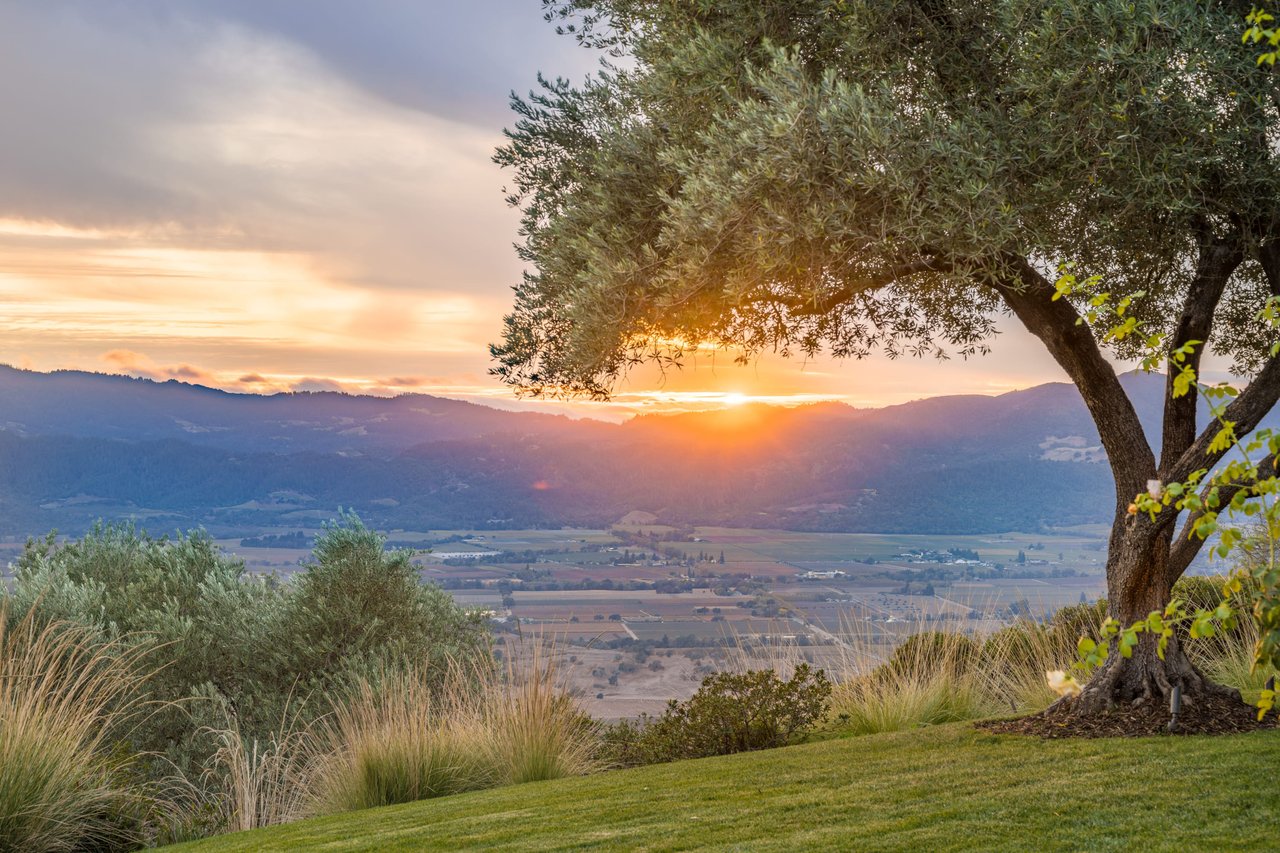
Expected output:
(138, 364)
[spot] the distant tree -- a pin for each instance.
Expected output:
(874, 175)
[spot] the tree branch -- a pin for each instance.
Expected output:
(1269, 257)
(1186, 545)
(1245, 412)
(817, 305)
(1072, 345)
(1218, 260)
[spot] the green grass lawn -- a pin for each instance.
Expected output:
(944, 788)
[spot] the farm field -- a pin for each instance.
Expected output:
(591, 594)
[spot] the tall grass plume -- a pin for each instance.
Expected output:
(65, 782)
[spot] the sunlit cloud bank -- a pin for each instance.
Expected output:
(255, 190)
(282, 197)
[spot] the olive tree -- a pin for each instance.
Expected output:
(859, 175)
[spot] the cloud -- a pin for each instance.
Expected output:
(133, 363)
(311, 180)
(313, 384)
(455, 60)
(188, 373)
(137, 364)
(238, 126)
(252, 379)
(403, 381)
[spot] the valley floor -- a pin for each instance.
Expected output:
(943, 788)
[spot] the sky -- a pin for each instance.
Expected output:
(268, 195)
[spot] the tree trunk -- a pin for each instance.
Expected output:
(1140, 580)
(1141, 564)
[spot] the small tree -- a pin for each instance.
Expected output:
(873, 175)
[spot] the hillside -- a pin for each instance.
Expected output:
(75, 447)
(96, 405)
(943, 788)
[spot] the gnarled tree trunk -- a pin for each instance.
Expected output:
(1145, 555)
(1141, 572)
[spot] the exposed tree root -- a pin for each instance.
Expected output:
(1133, 696)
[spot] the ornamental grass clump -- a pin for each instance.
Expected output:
(533, 727)
(929, 679)
(1015, 661)
(1229, 658)
(65, 781)
(400, 738)
(412, 734)
(261, 782)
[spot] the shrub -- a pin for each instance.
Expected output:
(357, 602)
(731, 712)
(928, 653)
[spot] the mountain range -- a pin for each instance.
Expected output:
(76, 447)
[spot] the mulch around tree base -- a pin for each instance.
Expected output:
(1210, 715)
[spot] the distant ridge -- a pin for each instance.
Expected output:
(98, 405)
(77, 446)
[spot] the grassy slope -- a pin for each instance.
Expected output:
(948, 787)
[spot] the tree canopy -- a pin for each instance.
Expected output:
(851, 175)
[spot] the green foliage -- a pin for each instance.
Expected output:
(1261, 30)
(230, 641)
(356, 602)
(731, 712)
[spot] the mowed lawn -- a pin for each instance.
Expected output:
(945, 788)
